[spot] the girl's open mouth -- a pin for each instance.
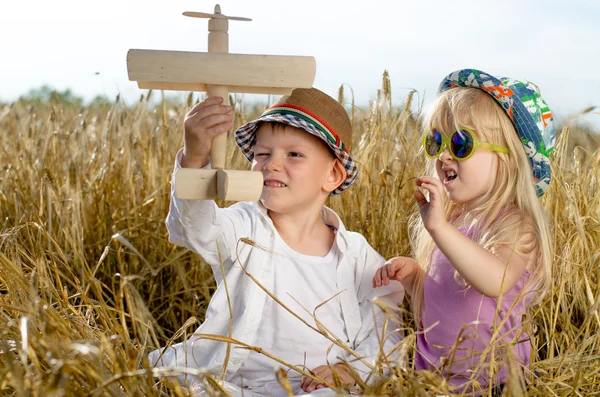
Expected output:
(450, 175)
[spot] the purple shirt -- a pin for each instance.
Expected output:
(470, 315)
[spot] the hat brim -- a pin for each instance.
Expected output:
(245, 137)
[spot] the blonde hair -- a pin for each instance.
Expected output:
(512, 209)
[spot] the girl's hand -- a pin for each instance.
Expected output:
(325, 373)
(432, 210)
(399, 268)
(202, 123)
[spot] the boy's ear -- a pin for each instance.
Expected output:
(337, 176)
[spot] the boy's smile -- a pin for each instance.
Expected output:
(273, 183)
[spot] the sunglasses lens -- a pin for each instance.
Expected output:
(462, 144)
(433, 143)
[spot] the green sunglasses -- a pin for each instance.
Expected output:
(461, 144)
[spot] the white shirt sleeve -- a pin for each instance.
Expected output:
(371, 337)
(203, 227)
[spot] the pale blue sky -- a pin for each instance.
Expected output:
(555, 44)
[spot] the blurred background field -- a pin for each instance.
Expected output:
(89, 283)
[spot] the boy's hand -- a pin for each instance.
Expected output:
(203, 122)
(432, 210)
(400, 268)
(325, 373)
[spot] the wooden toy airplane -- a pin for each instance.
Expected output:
(218, 72)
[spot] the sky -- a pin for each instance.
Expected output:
(82, 45)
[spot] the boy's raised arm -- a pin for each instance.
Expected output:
(203, 227)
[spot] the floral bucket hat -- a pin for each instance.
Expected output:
(525, 107)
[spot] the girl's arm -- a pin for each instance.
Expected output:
(489, 273)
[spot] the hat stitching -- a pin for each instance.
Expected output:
(311, 118)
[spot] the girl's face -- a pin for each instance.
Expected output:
(469, 182)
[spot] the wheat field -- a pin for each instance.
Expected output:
(89, 283)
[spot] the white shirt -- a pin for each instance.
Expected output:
(302, 283)
(215, 233)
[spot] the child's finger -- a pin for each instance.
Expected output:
(385, 277)
(220, 128)
(208, 111)
(427, 179)
(430, 181)
(200, 125)
(311, 384)
(210, 101)
(396, 272)
(405, 270)
(195, 109)
(304, 382)
(215, 119)
(377, 278)
(420, 197)
(433, 189)
(435, 194)
(426, 185)
(437, 183)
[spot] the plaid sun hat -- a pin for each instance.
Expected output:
(525, 107)
(312, 111)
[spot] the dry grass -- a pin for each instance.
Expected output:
(89, 283)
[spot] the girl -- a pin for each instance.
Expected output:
(482, 242)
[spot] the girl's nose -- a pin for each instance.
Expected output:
(445, 156)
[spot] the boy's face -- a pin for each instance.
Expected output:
(297, 168)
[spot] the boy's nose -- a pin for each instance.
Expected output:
(272, 164)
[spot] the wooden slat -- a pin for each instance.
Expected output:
(196, 184)
(155, 85)
(242, 70)
(231, 185)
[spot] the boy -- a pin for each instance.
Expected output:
(306, 256)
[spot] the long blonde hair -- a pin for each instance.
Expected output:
(513, 192)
